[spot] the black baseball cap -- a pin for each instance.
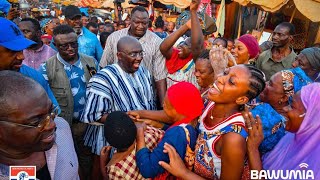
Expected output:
(72, 11)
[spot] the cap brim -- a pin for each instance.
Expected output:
(18, 44)
(73, 16)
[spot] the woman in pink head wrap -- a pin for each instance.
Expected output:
(245, 48)
(299, 148)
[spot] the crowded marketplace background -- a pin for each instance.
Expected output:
(159, 89)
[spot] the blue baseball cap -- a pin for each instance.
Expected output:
(11, 37)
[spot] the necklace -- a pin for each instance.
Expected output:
(211, 116)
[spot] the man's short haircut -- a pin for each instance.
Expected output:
(92, 24)
(290, 26)
(94, 19)
(103, 37)
(14, 85)
(110, 26)
(101, 24)
(121, 23)
(139, 8)
(119, 130)
(225, 42)
(63, 29)
(35, 23)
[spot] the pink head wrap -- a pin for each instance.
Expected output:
(251, 44)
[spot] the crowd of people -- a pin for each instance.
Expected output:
(87, 99)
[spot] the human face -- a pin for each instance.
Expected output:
(295, 113)
(115, 26)
(29, 31)
(55, 22)
(67, 45)
(231, 87)
(46, 41)
(165, 27)
(204, 73)
(19, 139)
(230, 45)
(84, 20)
(219, 42)
(75, 23)
(121, 26)
(281, 36)
(102, 28)
(168, 108)
(302, 62)
(127, 22)
(171, 26)
(131, 57)
(93, 30)
(273, 93)
(240, 52)
(184, 49)
(35, 14)
(139, 23)
(108, 29)
(10, 60)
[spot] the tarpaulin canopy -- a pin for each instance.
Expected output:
(110, 4)
(309, 8)
(177, 3)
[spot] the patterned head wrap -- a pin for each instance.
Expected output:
(287, 82)
(293, 80)
(44, 23)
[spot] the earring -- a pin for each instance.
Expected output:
(279, 102)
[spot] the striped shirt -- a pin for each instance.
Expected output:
(112, 89)
(153, 60)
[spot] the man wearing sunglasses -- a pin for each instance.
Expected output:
(124, 86)
(68, 73)
(30, 132)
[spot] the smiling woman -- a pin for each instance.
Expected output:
(302, 141)
(221, 145)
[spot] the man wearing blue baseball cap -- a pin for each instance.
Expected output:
(12, 44)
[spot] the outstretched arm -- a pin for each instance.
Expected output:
(176, 166)
(148, 114)
(196, 32)
(166, 45)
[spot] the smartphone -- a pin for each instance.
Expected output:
(92, 70)
(15, 5)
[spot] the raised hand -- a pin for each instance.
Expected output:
(134, 115)
(219, 59)
(194, 5)
(13, 13)
(176, 166)
(255, 131)
(141, 126)
(152, 123)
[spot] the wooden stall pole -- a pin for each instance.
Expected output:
(240, 20)
(292, 16)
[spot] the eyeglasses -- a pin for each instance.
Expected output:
(42, 124)
(135, 54)
(66, 46)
